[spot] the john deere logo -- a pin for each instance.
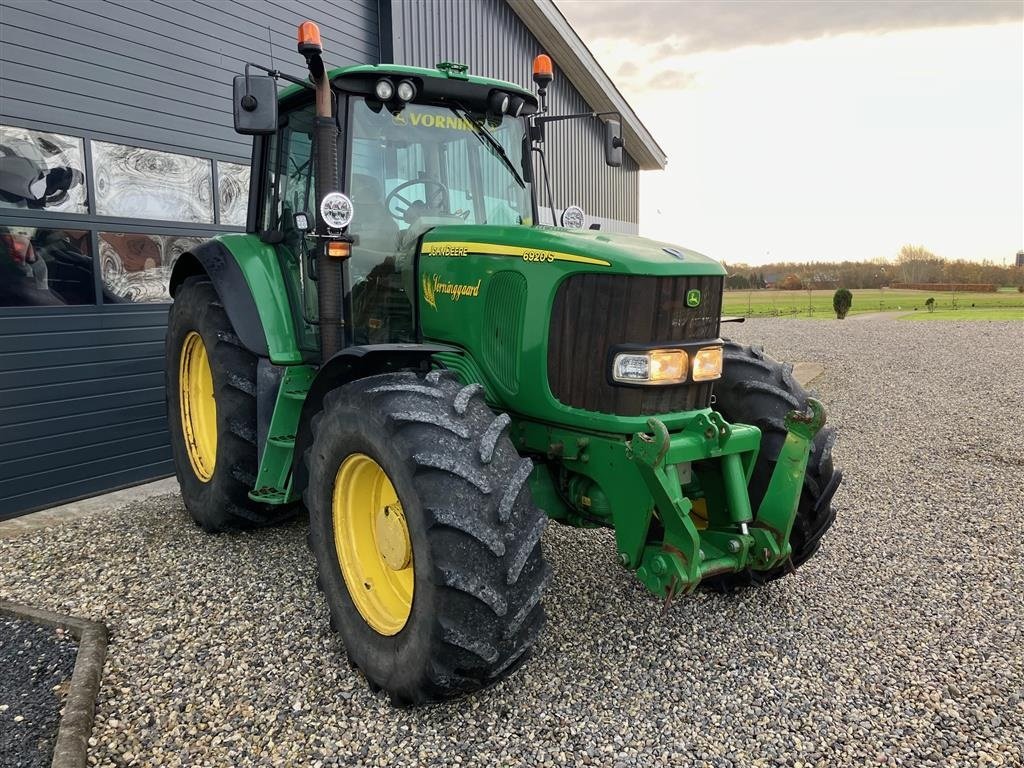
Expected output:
(693, 298)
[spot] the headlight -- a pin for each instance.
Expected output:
(384, 90)
(406, 90)
(659, 366)
(631, 368)
(707, 364)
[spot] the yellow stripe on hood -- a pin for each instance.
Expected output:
(452, 248)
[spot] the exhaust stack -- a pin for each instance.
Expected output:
(330, 270)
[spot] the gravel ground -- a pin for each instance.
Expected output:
(37, 663)
(899, 644)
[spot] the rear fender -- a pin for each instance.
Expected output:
(247, 277)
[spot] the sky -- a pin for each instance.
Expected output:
(823, 131)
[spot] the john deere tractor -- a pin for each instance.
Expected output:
(398, 345)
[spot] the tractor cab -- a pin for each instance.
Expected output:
(417, 149)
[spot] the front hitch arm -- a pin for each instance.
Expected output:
(774, 520)
(739, 538)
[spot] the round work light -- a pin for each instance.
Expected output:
(406, 90)
(497, 103)
(336, 210)
(573, 217)
(384, 89)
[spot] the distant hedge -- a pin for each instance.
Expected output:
(972, 287)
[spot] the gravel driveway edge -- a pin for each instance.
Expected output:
(71, 749)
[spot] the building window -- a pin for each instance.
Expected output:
(45, 267)
(232, 193)
(147, 184)
(41, 171)
(136, 268)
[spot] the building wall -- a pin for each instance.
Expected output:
(489, 37)
(99, 84)
(133, 99)
(159, 73)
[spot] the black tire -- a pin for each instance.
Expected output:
(479, 571)
(222, 502)
(759, 390)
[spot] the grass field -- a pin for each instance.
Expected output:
(978, 313)
(1001, 305)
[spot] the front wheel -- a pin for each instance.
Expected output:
(426, 537)
(756, 389)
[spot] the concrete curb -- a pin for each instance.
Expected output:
(72, 747)
(805, 373)
(83, 508)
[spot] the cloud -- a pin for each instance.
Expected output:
(671, 79)
(703, 25)
(633, 77)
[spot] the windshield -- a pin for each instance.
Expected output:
(432, 165)
(424, 167)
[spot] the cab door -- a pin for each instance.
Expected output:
(289, 188)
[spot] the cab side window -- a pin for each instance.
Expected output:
(290, 187)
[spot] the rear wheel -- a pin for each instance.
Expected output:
(211, 412)
(426, 538)
(756, 389)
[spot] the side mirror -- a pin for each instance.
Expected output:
(255, 104)
(613, 143)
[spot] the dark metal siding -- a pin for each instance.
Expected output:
(489, 37)
(81, 388)
(158, 72)
(81, 402)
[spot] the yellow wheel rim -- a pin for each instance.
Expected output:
(198, 406)
(372, 541)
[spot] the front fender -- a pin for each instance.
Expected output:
(350, 364)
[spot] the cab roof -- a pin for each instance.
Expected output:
(455, 76)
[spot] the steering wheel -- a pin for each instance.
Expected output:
(416, 206)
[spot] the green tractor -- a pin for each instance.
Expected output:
(398, 345)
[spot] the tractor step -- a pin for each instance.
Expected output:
(268, 496)
(274, 479)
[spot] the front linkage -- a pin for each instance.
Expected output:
(679, 501)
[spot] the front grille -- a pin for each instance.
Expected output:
(504, 315)
(593, 313)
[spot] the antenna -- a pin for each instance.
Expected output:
(270, 44)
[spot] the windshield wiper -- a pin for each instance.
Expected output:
(485, 137)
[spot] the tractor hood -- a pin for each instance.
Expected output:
(626, 254)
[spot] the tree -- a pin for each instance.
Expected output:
(791, 283)
(842, 300)
(919, 265)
